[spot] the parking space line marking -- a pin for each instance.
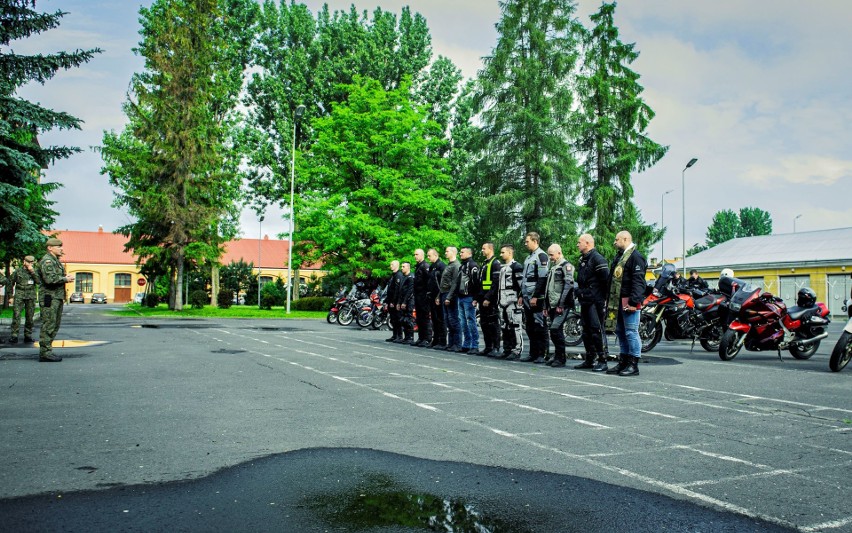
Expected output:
(834, 524)
(658, 414)
(587, 423)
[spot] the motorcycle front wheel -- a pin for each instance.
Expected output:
(379, 321)
(804, 352)
(364, 319)
(346, 316)
(842, 352)
(331, 318)
(729, 347)
(650, 332)
(573, 329)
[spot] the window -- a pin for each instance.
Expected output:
(83, 282)
(122, 280)
(265, 279)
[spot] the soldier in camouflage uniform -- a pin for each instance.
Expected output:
(52, 298)
(25, 280)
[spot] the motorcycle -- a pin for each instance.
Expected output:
(339, 299)
(681, 314)
(368, 314)
(573, 328)
(843, 349)
(762, 321)
(355, 300)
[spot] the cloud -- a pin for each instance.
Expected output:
(805, 169)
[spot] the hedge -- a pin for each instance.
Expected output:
(313, 303)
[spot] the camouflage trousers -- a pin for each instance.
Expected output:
(27, 305)
(51, 316)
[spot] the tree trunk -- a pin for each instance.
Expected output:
(214, 285)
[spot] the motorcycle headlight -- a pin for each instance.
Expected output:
(734, 306)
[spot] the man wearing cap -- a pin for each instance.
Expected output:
(25, 281)
(51, 298)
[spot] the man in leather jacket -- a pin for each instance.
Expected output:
(436, 307)
(421, 299)
(405, 303)
(449, 299)
(391, 298)
(592, 283)
(559, 297)
(532, 298)
(511, 277)
(468, 292)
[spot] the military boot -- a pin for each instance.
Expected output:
(601, 365)
(622, 364)
(588, 363)
(632, 367)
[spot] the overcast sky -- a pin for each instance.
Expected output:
(758, 91)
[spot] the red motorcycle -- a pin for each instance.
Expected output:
(762, 322)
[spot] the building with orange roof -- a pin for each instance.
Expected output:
(99, 263)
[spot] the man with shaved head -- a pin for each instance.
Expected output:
(592, 283)
(558, 298)
(626, 293)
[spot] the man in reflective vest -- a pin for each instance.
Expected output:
(489, 320)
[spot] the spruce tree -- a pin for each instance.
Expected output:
(610, 133)
(25, 210)
(523, 176)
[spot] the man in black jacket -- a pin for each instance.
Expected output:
(626, 293)
(436, 308)
(391, 301)
(696, 282)
(489, 281)
(405, 304)
(592, 284)
(468, 292)
(421, 299)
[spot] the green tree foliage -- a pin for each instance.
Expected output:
(374, 184)
(171, 165)
(25, 210)
(610, 131)
(521, 169)
(725, 226)
(754, 221)
(305, 60)
(237, 276)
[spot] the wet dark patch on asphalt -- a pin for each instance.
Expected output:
(367, 490)
(227, 351)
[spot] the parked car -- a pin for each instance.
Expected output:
(76, 297)
(139, 298)
(98, 298)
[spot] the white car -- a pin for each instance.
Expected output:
(140, 296)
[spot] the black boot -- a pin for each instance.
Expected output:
(622, 364)
(601, 365)
(632, 367)
(588, 363)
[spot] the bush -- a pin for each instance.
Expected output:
(151, 300)
(313, 303)
(198, 299)
(267, 300)
(224, 299)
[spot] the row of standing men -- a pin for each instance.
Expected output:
(442, 300)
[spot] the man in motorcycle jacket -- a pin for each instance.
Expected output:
(405, 303)
(532, 298)
(489, 280)
(559, 297)
(421, 299)
(436, 307)
(592, 283)
(468, 291)
(509, 287)
(696, 282)
(394, 284)
(626, 294)
(449, 299)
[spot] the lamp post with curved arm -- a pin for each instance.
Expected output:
(683, 200)
(296, 116)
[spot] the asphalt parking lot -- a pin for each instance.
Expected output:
(181, 409)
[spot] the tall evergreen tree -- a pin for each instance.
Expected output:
(524, 174)
(25, 210)
(172, 165)
(610, 132)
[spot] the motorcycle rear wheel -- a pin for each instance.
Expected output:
(842, 352)
(806, 352)
(379, 321)
(573, 329)
(712, 339)
(650, 332)
(729, 347)
(331, 318)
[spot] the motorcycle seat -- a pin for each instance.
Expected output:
(706, 302)
(801, 313)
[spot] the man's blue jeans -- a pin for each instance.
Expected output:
(467, 317)
(627, 332)
(451, 319)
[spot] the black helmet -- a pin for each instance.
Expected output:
(806, 297)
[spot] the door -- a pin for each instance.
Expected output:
(837, 289)
(789, 286)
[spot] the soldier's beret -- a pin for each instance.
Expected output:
(29, 259)
(53, 241)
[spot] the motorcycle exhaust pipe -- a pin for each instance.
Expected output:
(805, 342)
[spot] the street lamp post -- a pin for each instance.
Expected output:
(300, 110)
(794, 222)
(683, 201)
(259, 242)
(663, 225)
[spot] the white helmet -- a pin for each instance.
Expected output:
(726, 273)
